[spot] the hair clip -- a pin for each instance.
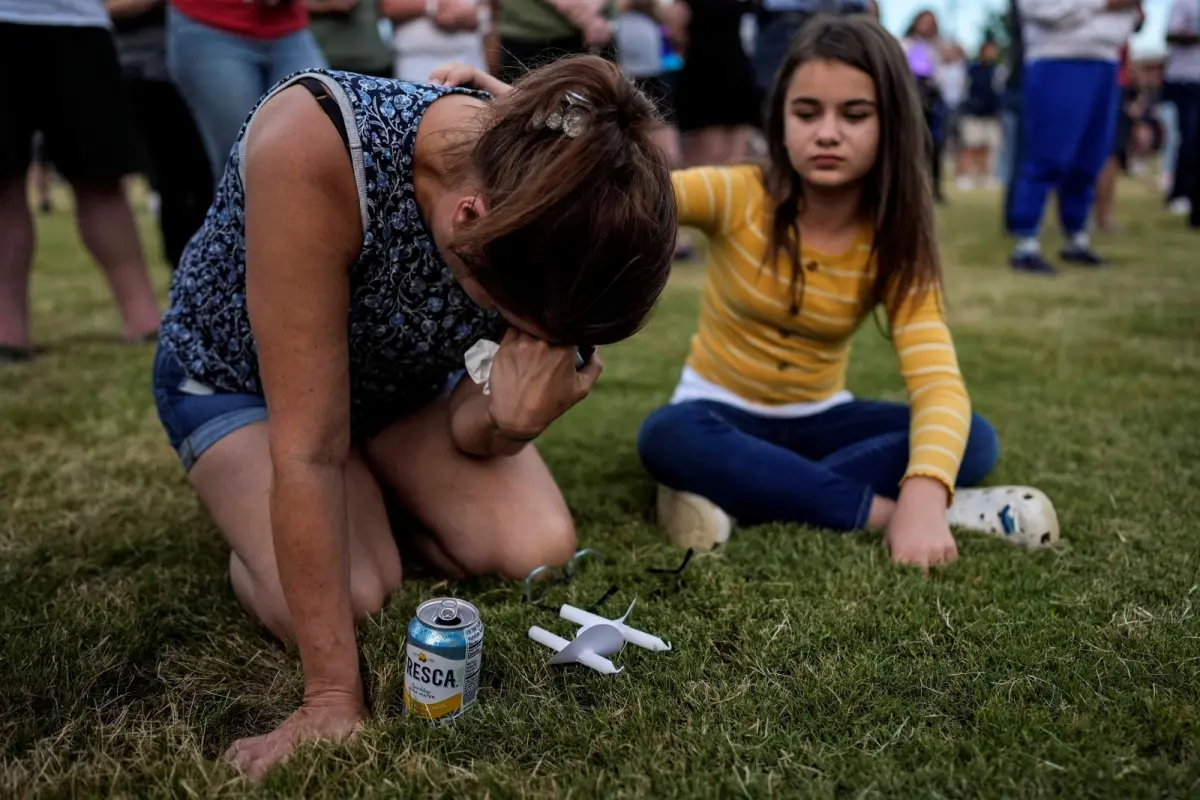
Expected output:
(571, 121)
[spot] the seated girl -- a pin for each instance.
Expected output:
(365, 235)
(801, 254)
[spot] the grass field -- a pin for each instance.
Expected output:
(805, 664)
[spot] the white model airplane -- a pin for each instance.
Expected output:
(598, 638)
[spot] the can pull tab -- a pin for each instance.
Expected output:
(448, 613)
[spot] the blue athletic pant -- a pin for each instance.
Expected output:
(1069, 121)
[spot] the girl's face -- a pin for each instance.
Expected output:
(831, 124)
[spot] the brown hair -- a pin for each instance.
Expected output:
(897, 198)
(580, 232)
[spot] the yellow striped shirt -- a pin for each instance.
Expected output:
(750, 343)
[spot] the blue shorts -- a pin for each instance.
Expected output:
(195, 416)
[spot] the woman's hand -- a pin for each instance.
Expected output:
(456, 73)
(534, 383)
(918, 533)
(335, 718)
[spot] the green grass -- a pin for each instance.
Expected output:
(805, 664)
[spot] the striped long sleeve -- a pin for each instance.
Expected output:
(937, 396)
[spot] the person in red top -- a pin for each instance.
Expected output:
(225, 54)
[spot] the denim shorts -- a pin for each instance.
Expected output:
(196, 416)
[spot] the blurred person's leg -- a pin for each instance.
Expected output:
(176, 152)
(1168, 113)
(1098, 82)
(1194, 220)
(93, 143)
(16, 258)
(1187, 103)
(20, 112)
(293, 53)
(220, 75)
(1012, 147)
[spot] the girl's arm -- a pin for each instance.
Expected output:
(458, 74)
(717, 199)
(941, 409)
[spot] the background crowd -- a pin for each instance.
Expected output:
(162, 87)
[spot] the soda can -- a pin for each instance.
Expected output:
(444, 655)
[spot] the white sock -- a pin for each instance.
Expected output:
(1081, 241)
(1029, 246)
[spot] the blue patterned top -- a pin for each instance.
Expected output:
(410, 323)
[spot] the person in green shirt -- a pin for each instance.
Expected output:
(348, 33)
(536, 32)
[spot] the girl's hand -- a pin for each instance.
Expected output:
(534, 383)
(918, 533)
(456, 73)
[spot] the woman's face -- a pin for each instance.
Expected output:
(831, 124)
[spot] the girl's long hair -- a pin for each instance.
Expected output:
(897, 198)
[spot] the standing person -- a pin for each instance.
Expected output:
(840, 224)
(926, 56)
(716, 66)
(429, 33)
(79, 104)
(1070, 118)
(348, 34)
(981, 132)
(1128, 116)
(365, 235)
(533, 33)
(780, 21)
(1182, 89)
(225, 54)
(1010, 114)
(177, 165)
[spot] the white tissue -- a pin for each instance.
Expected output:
(479, 362)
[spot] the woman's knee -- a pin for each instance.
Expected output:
(982, 453)
(526, 544)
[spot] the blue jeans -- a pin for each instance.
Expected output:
(1069, 117)
(222, 75)
(822, 470)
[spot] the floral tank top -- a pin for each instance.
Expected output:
(409, 324)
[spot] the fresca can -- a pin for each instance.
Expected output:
(445, 652)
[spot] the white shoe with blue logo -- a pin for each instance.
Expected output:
(1018, 514)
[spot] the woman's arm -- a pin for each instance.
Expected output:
(302, 233)
(458, 74)
(532, 384)
(403, 10)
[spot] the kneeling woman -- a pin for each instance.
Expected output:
(365, 235)
(760, 427)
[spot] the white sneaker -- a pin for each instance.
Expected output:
(690, 521)
(1020, 514)
(1180, 207)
